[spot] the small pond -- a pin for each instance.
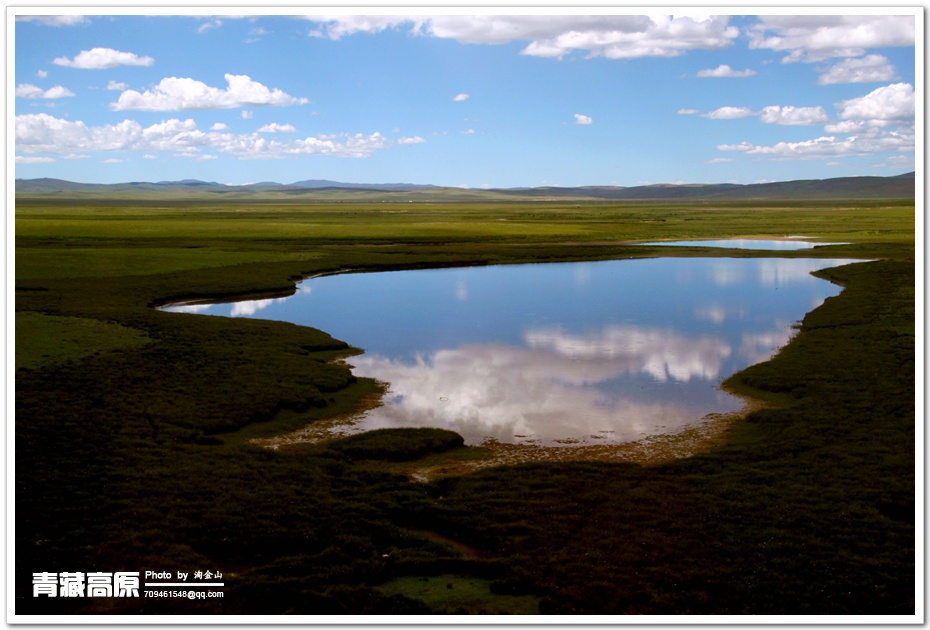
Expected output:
(790, 243)
(559, 353)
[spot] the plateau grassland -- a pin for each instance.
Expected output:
(132, 431)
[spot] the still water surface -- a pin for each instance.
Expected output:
(557, 353)
(786, 244)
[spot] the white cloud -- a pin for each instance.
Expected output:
(211, 24)
(54, 20)
(181, 94)
(789, 115)
(219, 127)
(338, 27)
(724, 71)
(113, 161)
(871, 143)
(581, 119)
(554, 36)
(44, 134)
(202, 157)
(458, 98)
(773, 114)
(247, 114)
(102, 59)
(818, 37)
(729, 113)
(27, 90)
(116, 85)
(882, 121)
(411, 140)
(687, 112)
(342, 145)
(858, 70)
(895, 102)
(26, 159)
(846, 126)
(277, 128)
(42, 74)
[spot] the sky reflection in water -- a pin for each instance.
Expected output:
(598, 352)
(787, 244)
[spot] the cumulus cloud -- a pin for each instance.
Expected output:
(27, 90)
(182, 94)
(871, 143)
(27, 159)
(45, 134)
(725, 71)
(54, 20)
(581, 119)
(858, 70)
(882, 121)
(41, 74)
(458, 98)
(117, 86)
(102, 59)
(895, 102)
(729, 113)
(773, 114)
(788, 115)
(411, 140)
(336, 27)
(219, 127)
(277, 128)
(555, 36)
(817, 37)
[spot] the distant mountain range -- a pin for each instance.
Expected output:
(900, 186)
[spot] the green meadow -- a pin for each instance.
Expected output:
(133, 426)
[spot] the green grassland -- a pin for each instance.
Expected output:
(131, 424)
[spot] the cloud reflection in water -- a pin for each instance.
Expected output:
(559, 387)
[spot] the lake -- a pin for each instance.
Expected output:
(558, 353)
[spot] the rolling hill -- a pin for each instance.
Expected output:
(896, 187)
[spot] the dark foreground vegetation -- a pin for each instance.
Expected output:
(132, 452)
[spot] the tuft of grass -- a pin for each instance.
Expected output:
(397, 445)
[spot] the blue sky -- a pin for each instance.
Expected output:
(528, 98)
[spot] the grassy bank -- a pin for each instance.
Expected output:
(130, 450)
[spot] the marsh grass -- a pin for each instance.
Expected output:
(139, 456)
(47, 340)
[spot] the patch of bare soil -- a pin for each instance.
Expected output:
(652, 450)
(656, 449)
(331, 428)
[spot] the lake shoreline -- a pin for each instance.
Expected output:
(695, 437)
